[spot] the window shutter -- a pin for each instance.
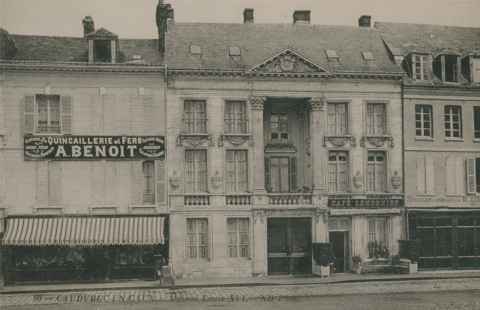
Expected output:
(421, 175)
(268, 184)
(149, 113)
(42, 183)
(54, 183)
(66, 114)
(429, 175)
(293, 173)
(137, 186)
(29, 115)
(471, 180)
(160, 181)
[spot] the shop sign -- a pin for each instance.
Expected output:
(93, 147)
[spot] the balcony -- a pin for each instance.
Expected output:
(366, 201)
(290, 198)
(238, 199)
(197, 200)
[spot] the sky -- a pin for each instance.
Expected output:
(136, 18)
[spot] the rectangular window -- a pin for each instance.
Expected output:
(421, 67)
(238, 237)
(102, 50)
(281, 174)
(376, 117)
(476, 122)
(337, 121)
(148, 168)
(453, 121)
(237, 171)
(338, 172)
(279, 128)
(423, 121)
(447, 68)
(48, 113)
(376, 172)
(377, 230)
(476, 70)
(236, 117)
(197, 238)
(195, 116)
(195, 171)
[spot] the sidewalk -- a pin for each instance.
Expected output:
(237, 289)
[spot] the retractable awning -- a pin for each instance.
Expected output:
(84, 231)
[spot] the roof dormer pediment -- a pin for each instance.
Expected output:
(288, 62)
(102, 33)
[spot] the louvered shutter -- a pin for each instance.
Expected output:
(29, 114)
(470, 172)
(149, 114)
(54, 183)
(66, 114)
(137, 185)
(42, 183)
(268, 185)
(292, 172)
(430, 175)
(160, 181)
(421, 189)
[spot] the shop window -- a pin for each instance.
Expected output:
(47, 114)
(102, 50)
(476, 122)
(473, 175)
(235, 117)
(453, 121)
(337, 122)
(195, 171)
(236, 171)
(376, 119)
(447, 68)
(238, 237)
(279, 128)
(423, 121)
(338, 172)
(195, 116)
(197, 238)
(376, 172)
(280, 174)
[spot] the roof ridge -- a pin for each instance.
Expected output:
(428, 25)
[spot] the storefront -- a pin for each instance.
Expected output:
(449, 239)
(83, 248)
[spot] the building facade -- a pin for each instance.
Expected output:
(442, 121)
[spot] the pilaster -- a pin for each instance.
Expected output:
(256, 104)
(319, 153)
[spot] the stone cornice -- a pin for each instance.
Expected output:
(77, 67)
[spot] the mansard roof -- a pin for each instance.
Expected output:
(404, 38)
(260, 42)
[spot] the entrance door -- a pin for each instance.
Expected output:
(289, 246)
(339, 241)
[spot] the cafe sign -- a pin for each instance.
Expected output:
(93, 147)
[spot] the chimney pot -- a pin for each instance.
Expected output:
(301, 17)
(88, 25)
(365, 21)
(248, 16)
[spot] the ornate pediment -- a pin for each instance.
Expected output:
(288, 62)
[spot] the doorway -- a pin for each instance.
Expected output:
(289, 246)
(339, 242)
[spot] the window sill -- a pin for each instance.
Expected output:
(476, 140)
(235, 139)
(454, 140)
(428, 139)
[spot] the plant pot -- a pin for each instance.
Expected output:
(413, 268)
(324, 271)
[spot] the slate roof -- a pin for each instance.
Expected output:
(259, 42)
(74, 49)
(403, 38)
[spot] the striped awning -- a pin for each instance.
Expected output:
(84, 231)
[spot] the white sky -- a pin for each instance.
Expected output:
(135, 18)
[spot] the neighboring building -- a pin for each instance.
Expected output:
(442, 139)
(82, 176)
(279, 136)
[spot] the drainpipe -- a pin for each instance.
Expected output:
(402, 94)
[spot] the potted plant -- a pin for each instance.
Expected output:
(323, 257)
(357, 264)
(410, 249)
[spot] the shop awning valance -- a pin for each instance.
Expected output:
(84, 231)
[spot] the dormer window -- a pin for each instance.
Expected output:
(234, 51)
(102, 46)
(421, 67)
(446, 67)
(332, 56)
(471, 67)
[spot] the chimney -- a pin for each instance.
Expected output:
(248, 16)
(301, 17)
(163, 14)
(88, 25)
(365, 21)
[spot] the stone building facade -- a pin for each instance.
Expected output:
(442, 122)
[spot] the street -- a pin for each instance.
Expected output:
(458, 300)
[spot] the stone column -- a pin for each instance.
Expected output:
(394, 226)
(260, 264)
(319, 153)
(256, 104)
